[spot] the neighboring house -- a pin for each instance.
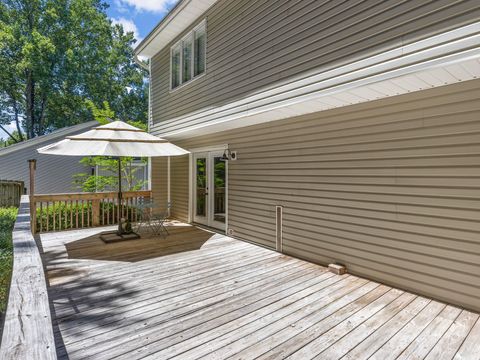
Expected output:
(356, 125)
(54, 174)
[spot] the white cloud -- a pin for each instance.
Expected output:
(157, 6)
(128, 26)
(120, 6)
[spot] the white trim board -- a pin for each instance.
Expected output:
(444, 59)
(209, 148)
(192, 179)
(180, 18)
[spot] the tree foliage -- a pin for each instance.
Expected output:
(60, 56)
(109, 181)
(13, 138)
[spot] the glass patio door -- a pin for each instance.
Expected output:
(210, 189)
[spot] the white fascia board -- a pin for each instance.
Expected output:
(172, 25)
(454, 47)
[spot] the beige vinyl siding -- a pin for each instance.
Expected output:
(159, 179)
(252, 46)
(179, 187)
(390, 188)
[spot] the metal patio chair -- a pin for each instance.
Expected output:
(150, 218)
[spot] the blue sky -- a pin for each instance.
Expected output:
(138, 16)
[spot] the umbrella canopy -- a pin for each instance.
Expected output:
(114, 139)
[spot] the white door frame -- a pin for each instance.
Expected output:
(204, 220)
(197, 152)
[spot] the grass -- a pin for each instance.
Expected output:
(7, 220)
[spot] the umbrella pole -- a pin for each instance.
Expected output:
(120, 205)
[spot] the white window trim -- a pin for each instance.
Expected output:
(179, 42)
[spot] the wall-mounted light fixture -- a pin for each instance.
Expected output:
(229, 155)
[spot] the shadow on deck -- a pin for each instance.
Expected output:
(199, 294)
(149, 246)
(82, 301)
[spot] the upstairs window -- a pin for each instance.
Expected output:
(187, 57)
(176, 56)
(200, 46)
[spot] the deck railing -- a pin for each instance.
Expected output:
(54, 212)
(28, 331)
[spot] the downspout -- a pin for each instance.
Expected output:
(149, 116)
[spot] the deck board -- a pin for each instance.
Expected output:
(197, 294)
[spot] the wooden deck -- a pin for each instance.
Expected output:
(204, 295)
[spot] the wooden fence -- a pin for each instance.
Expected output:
(11, 192)
(54, 212)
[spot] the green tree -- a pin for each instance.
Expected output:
(14, 137)
(55, 55)
(109, 182)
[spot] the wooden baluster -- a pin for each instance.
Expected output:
(102, 212)
(60, 214)
(65, 213)
(136, 212)
(127, 208)
(95, 212)
(118, 212)
(59, 217)
(88, 212)
(76, 214)
(41, 216)
(82, 211)
(71, 214)
(48, 215)
(54, 216)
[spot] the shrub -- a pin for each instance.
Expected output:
(64, 215)
(7, 220)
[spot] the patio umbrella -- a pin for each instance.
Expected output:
(116, 139)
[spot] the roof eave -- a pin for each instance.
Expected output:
(173, 24)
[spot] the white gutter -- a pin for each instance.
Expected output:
(179, 19)
(141, 63)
